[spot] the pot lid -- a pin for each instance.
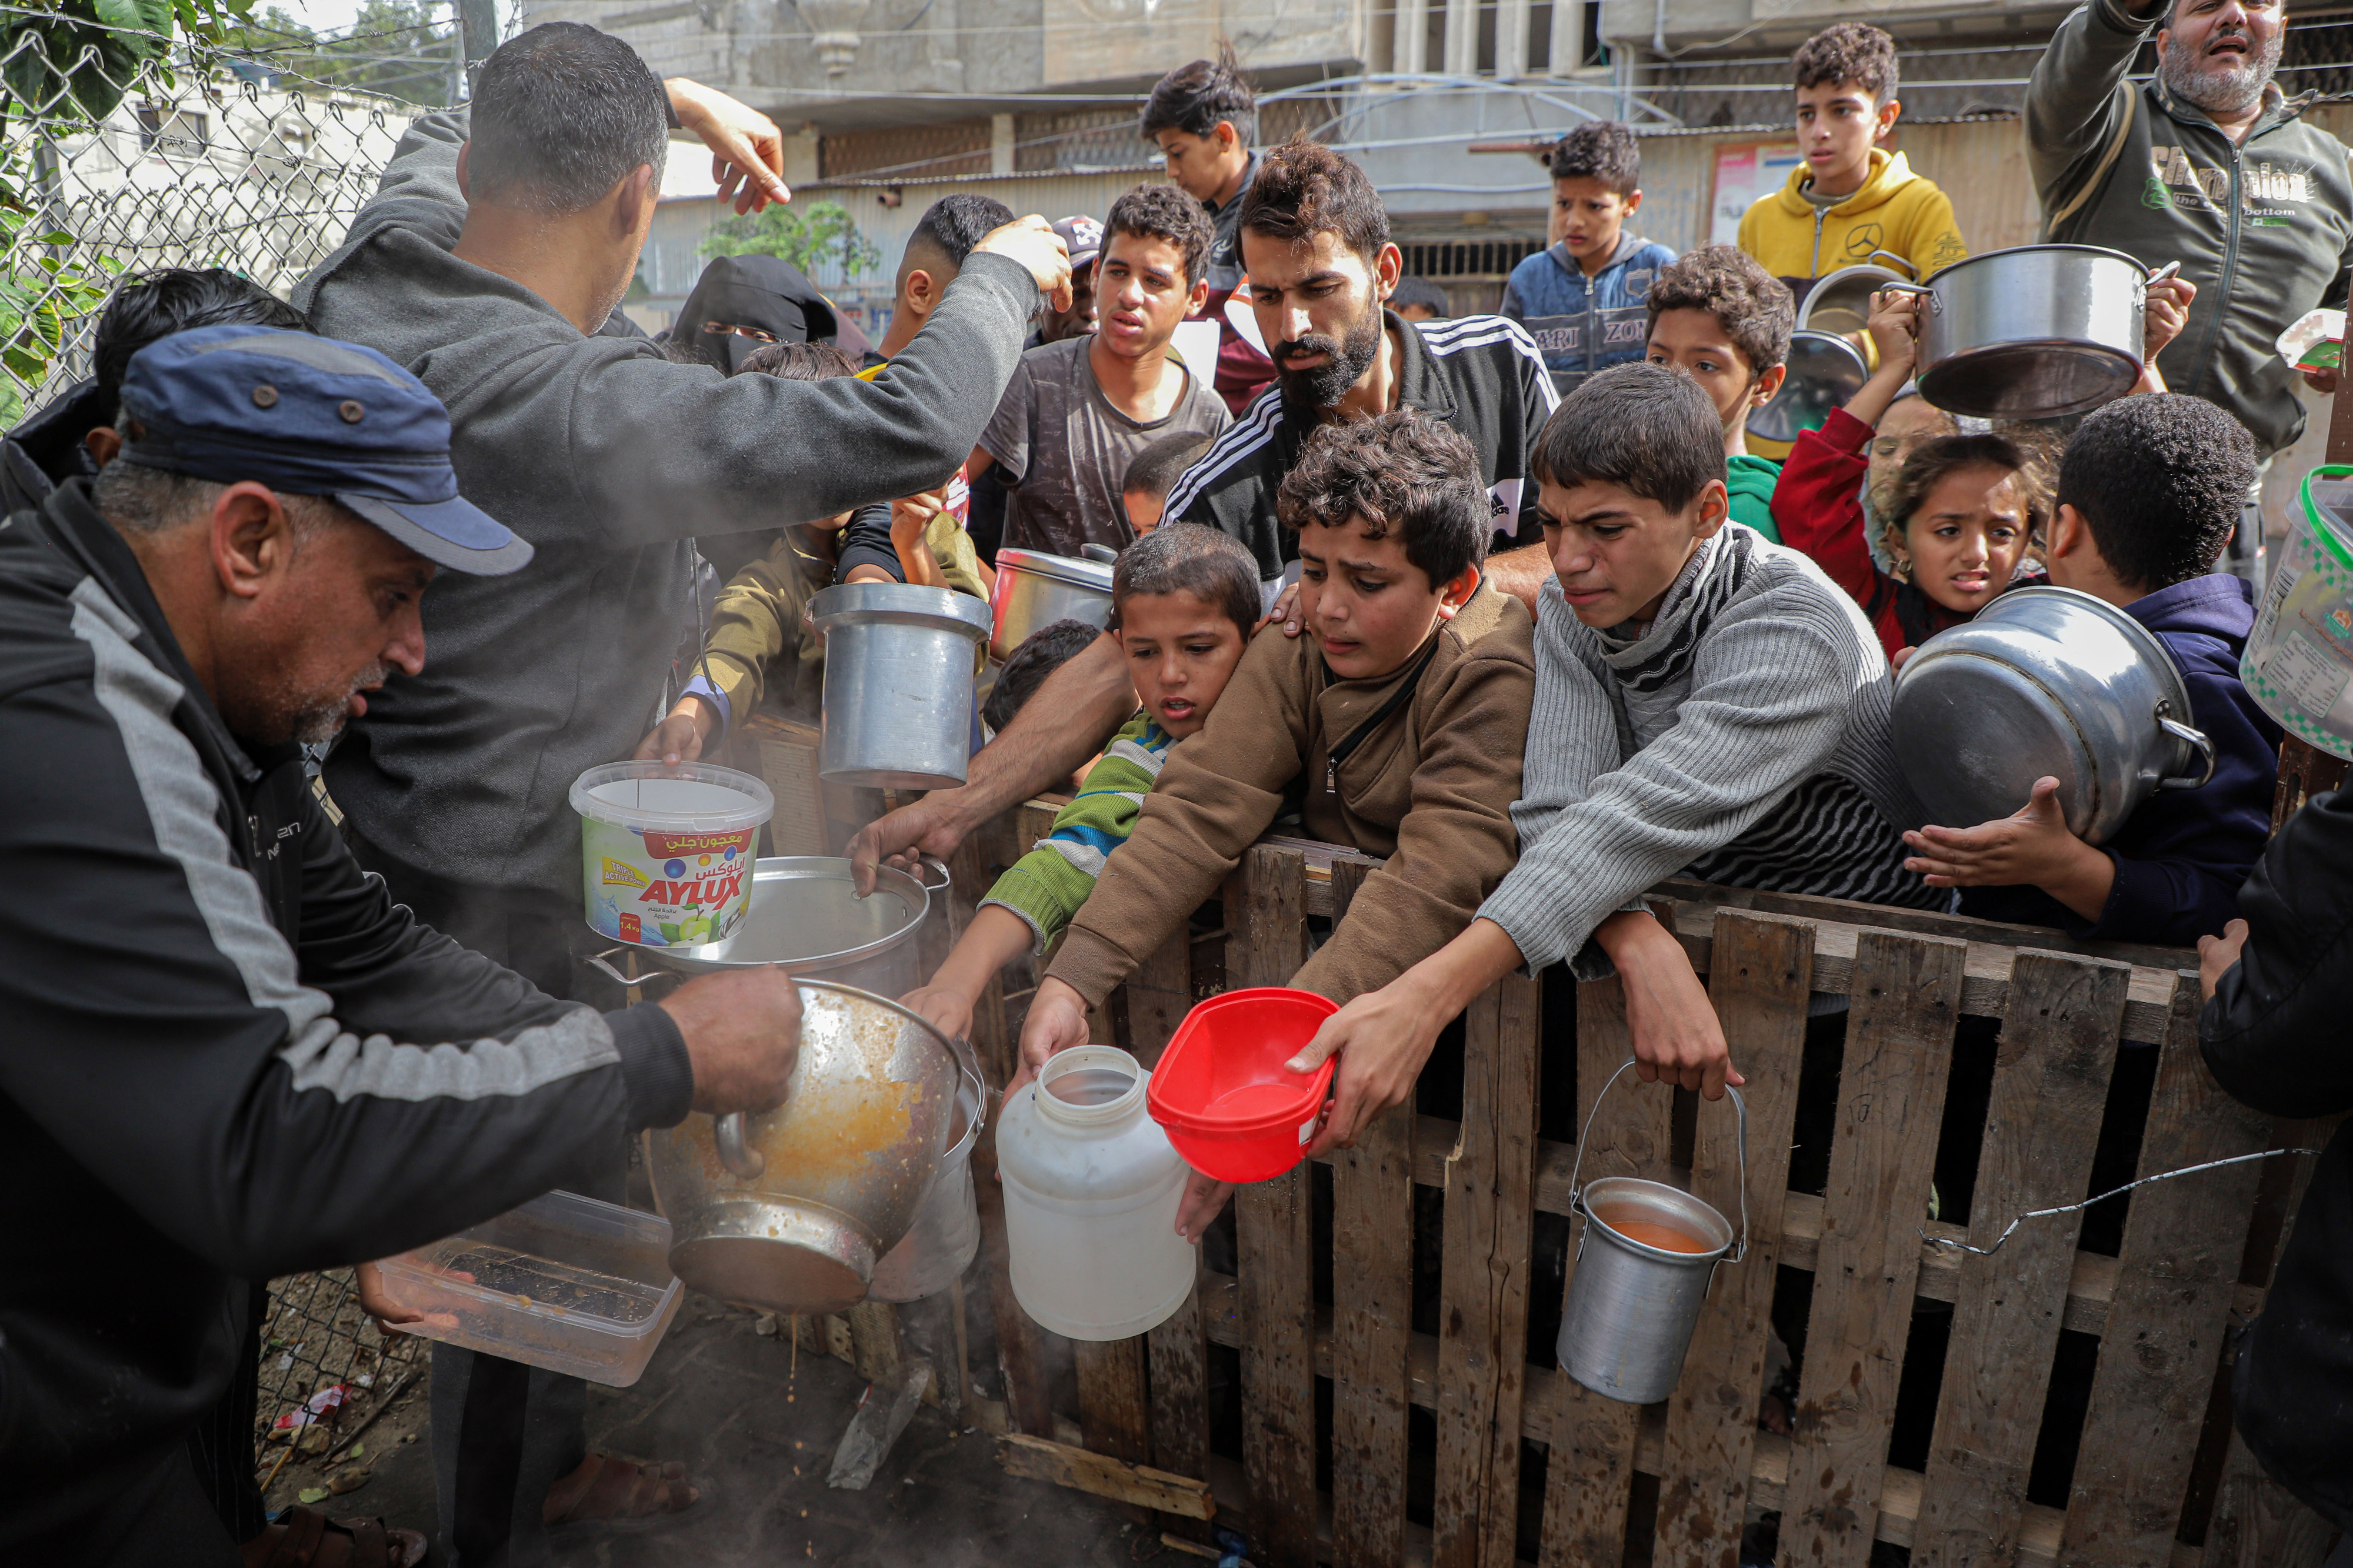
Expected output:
(1095, 574)
(806, 915)
(904, 603)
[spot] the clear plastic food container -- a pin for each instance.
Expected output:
(565, 1282)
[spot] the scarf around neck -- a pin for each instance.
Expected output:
(1661, 654)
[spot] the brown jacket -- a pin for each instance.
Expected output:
(1432, 790)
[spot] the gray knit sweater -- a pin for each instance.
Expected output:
(1742, 737)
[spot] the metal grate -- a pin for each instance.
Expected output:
(1468, 259)
(318, 1339)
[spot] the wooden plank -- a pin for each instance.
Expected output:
(1905, 1002)
(1113, 1410)
(993, 1042)
(874, 1341)
(1899, 1500)
(1105, 1477)
(2258, 1523)
(1589, 1477)
(1159, 995)
(1020, 1343)
(1483, 1282)
(1273, 1226)
(2050, 1087)
(2175, 1278)
(1177, 1352)
(1759, 982)
(1372, 1321)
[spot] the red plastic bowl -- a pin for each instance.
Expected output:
(1221, 1090)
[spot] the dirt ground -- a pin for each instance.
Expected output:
(731, 1404)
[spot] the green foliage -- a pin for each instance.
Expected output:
(808, 236)
(75, 61)
(69, 65)
(392, 47)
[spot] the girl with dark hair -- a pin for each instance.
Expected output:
(1956, 520)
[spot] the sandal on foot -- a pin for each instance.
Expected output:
(625, 1494)
(307, 1539)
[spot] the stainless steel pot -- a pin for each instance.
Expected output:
(1034, 590)
(1840, 301)
(945, 1236)
(2045, 682)
(794, 1217)
(898, 683)
(1825, 373)
(806, 915)
(2032, 332)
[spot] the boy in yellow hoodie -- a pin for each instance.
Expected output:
(1850, 198)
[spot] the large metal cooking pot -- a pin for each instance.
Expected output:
(2045, 682)
(794, 1219)
(806, 915)
(1840, 301)
(898, 683)
(2032, 332)
(1034, 590)
(1824, 373)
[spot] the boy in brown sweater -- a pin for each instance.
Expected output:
(1397, 723)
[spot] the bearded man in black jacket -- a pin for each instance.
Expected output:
(227, 1054)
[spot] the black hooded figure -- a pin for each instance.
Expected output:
(751, 301)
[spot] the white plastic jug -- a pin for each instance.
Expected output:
(1092, 1188)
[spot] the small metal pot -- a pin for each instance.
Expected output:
(2045, 682)
(898, 683)
(1824, 373)
(1034, 590)
(794, 1218)
(2032, 332)
(1626, 1323)
(1841, 301)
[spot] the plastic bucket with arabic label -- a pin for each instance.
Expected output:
(667, 852)
(2298, 664)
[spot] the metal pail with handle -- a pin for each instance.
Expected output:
(1644, 1262)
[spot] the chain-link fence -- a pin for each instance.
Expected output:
(124, 150)
(324, 1368)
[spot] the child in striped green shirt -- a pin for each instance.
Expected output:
(1185, 599)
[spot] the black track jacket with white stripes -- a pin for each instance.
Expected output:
(1482, 374)
(225, 1053)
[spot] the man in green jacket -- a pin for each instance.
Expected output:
(2206, 164)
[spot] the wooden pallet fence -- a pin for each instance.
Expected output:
(1681, 1481)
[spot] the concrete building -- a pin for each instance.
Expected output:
(891, 104)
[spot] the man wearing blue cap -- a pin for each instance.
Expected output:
(228, 1052)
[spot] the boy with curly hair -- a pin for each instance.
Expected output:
(1725, 321)
(1395, 726)
(1850, 198)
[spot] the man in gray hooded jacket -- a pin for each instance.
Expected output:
(2206, 164)
(491, 264)
(492, 267)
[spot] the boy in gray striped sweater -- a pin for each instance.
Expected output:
(1707, 703)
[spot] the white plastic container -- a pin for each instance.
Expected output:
(2298, 663)
(566, 1282)
(666, 853)
(1091, 1189)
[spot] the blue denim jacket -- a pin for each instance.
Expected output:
(1584, 324)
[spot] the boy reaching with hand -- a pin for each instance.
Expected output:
(1707, 705)
(1395, 725)
(1183, 600)
(2148, 493)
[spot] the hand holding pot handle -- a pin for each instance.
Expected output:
(742, 1032)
